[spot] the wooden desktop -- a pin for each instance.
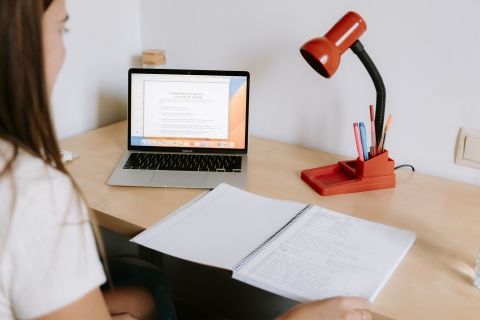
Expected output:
(434, 281)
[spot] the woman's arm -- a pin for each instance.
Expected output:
(136, 302)
(121, 303)
(90, 306)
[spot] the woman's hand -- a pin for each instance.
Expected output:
(341, 308)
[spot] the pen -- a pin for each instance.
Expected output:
(358, 141)
(363, 136)
(372, 126)
(381, 145)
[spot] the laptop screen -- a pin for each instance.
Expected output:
(188, 109)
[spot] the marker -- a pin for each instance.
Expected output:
(372, 126)
(358, 141)
(381, 145)
(363, 136)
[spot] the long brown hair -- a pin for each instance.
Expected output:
(25, 119)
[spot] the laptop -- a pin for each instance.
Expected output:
(186, 128)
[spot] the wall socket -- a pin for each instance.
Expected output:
(468, 148)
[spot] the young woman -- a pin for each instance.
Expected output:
(49, 264)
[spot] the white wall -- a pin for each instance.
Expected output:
(427, 52)
(91, 90)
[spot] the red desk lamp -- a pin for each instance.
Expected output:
(323, 55)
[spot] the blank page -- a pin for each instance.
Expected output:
(220, 228)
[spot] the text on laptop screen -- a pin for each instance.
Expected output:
(193, 111)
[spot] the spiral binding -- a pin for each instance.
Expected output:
(272, 238)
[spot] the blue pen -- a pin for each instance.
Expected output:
(363, 137)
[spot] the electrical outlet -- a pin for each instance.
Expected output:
(468, 148)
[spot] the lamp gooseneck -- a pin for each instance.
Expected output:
(372, 70)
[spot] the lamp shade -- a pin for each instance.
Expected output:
(323, 54)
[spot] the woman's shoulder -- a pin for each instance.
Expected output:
(27, 168)
(30, 182)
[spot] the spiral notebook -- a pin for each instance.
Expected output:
(302, 252)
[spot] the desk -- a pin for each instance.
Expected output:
(432, 282)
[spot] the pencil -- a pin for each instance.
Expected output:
(358, 141)
(372, 132)
(363, 137)
(381, 145)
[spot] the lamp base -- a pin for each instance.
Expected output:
(352, 176)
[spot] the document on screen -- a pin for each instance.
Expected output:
(190, 108)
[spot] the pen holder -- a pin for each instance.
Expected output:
(352, 176)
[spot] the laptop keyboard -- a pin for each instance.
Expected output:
(183, 162)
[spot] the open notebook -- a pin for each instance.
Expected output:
(302, 252)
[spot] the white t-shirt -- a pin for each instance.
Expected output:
(48, 257)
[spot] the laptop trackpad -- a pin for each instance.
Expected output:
(182, 179)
